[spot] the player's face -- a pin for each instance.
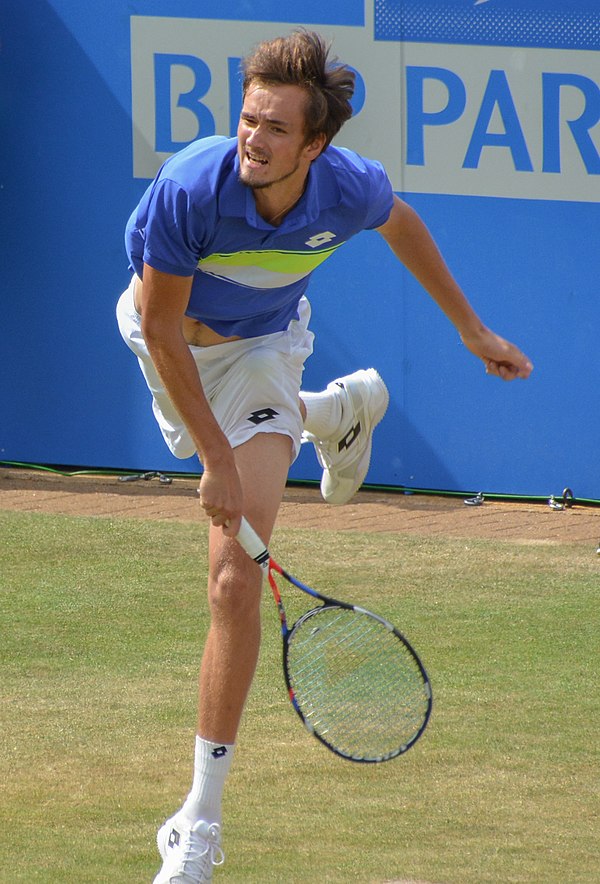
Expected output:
(272, 144)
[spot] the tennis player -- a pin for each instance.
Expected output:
(222, 246)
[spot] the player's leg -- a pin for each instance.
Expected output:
(253, 390)
(235, 588)
(189, 842)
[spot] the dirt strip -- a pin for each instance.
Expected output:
(38, 491)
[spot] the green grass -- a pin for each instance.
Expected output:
(102, 626)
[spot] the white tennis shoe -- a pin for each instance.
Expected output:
(345, 456)
(189, 851)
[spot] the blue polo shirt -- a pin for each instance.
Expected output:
(197, 219)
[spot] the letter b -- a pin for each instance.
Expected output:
(189, 101)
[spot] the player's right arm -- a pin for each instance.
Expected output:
(164, 299)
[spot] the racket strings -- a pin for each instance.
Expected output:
(356, 682)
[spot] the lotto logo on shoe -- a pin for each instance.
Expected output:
(174, 838)
(350, 437)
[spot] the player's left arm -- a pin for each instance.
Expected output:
(413, 245)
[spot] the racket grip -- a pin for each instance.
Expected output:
(251, 543)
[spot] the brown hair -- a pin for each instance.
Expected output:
(302, 59)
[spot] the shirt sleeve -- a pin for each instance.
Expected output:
(172, 230)
(381, 195)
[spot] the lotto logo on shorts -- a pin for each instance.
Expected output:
(265, 414)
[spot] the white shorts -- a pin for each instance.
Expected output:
(252, 385)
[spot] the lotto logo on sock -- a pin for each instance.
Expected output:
(219, 752)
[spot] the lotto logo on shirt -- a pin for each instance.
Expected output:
(499, 121)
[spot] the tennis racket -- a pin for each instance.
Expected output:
(354, 680)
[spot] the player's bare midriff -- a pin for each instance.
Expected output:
(196, 333)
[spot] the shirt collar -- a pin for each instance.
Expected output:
(322, 192)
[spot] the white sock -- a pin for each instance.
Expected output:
(211, 766)
(323, 413)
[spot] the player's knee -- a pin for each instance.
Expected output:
(234, 592)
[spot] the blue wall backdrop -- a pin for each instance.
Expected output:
(487, 116)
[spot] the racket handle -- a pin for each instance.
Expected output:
(251, 543)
